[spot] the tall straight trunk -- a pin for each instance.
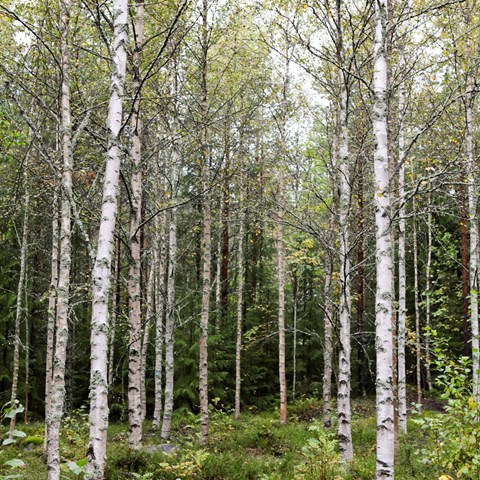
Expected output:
(402, 274)
(207, 241)
(383, 256)
(115, 309)
(472, 209)
(344, 366)
(27, 346)
(52, 303)
(418, 343)
(146, 338)
(240, 284)
(134, 283)
(19, 303)
(361, 340)
(280, 241)
(218, 286)
(428, 268)
(170, 310)
(465, 271)
(63, 289)
(96, 453)
(328, 349)
(161, 262)
(295, 318)
(281, 304)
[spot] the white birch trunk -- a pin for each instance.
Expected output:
(428, 268)
(328, 350)
(402, 274)
(295, 317)
(472, 212)
(161, 261)
(63, 289)
(384, 260)
(170, 310)
(52, 306)
(96, 453)
(418, 346)
(344, 366)
(281, 305)
(146, 336)
(207, 242)
(240, 267)
(115, 309)
(134, 287)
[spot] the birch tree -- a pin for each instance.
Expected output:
(383, 256)
(344, 366)
(134, 293)
(96, 454)
(57, 397)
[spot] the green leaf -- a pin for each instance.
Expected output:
(15, 462)
(19, 434)
(8, 441)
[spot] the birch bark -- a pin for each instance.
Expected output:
(134, 287)
(170, 311)
(57, 399)
(161, 254)
(418, 346)
(344, 367)
(383, 255)
(472, 211)
(96, 453)
(240, 268)
(402, 274)
(52, 305)
(172, 266)
(328, 349)
(203, 360)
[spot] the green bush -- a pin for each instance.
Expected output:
(455, 436)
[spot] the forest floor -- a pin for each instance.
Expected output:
(256, 447)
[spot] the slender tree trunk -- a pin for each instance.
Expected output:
(146, 337)
(27, 346)
(328, 349)
(428, 269)
(361, 340)
(134, 284)
(63, 289)
(115, 309)
(344, 366)
(96, 453)
(384, 258)
(170, 311)
(161, 261)
(472, 209)
(19, 305)
(281, 306)
(465, 271)
(52, 305)
(418, 343)
(207, 242)
(172, 266)
(240, 284)
(295, 314)
(402, 274)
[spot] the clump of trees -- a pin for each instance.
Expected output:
(240, 201)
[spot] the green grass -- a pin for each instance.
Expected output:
(255, 447)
